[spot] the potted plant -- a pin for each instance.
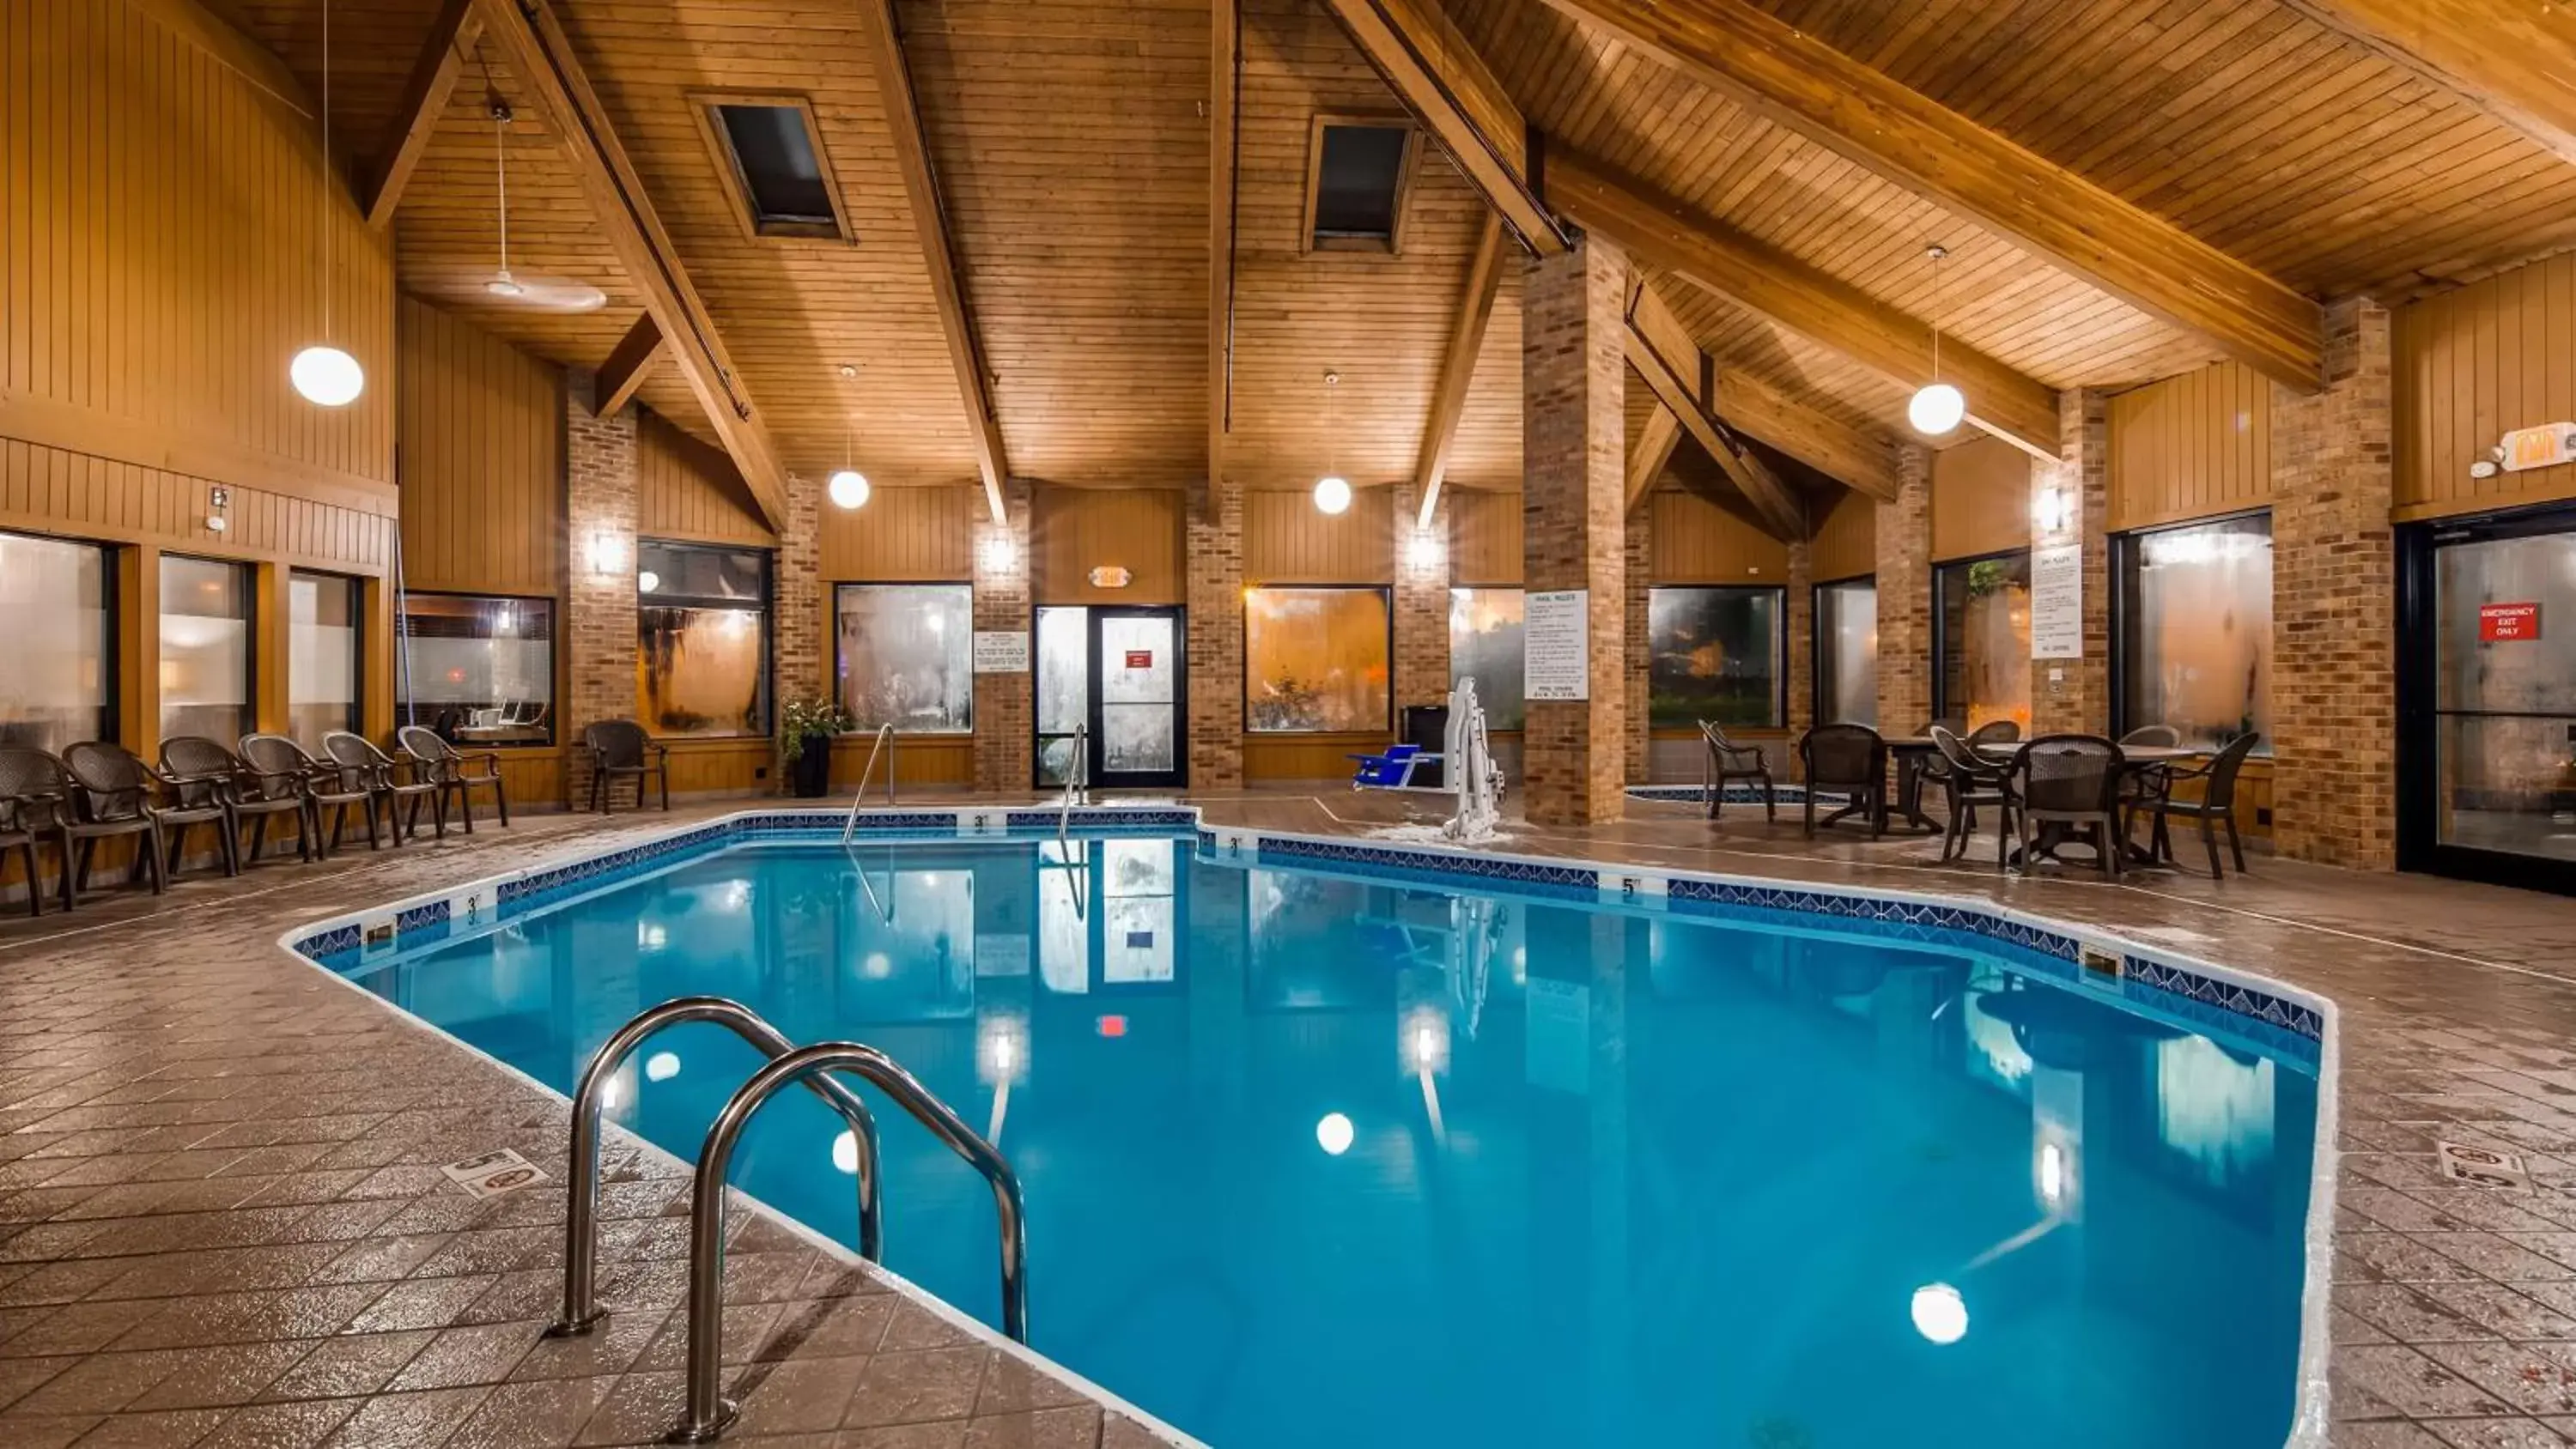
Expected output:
(805, 731)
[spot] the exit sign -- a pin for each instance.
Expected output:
(2508, 623)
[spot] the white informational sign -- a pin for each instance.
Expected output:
(1556, 647)
(2057, 601)
(1001, 651)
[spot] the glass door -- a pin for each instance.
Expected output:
(1120, 672)
(2489, 660)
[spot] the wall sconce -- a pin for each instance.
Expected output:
(2053, 510)
(219, 502)
(1000, 554)
(607, 553)
(1423, 550)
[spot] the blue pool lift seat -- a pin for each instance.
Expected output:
(1392, 770)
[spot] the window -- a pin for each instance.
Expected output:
(322, 671)
(1063, 685)
(58, 653)
(1981, 655)
(766, 147)
(702, 639)
(1355, 183)
(905, 656)
(206, 658)
(1316, 660)
(1847, 652)
(1485, 645)
(2196, 630)
(1713, 654)
(478, 669)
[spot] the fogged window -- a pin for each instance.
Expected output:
(1714, 654)
(205, 649)
(702, 639)
(1984, 642)
(478, 669)
(1315, 659)
(57, 660)
(1064, 687)
(321, 656)
(1485, 646)
(2197, 633)
(1847, 652)
(907, 656)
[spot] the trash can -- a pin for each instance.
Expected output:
(1426, 728)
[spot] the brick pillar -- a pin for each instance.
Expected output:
(2334, 587)
(1639, 568)
(1905, 596)
(1421, 603)
(1005, 704)
(1213, 545)
(1573, 515)
(2073, 696)
(598, 636)
(1799, 627)
(801, 666)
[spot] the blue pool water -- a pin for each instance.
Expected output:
(1328, 1159)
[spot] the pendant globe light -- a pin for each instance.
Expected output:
(1936, 407)
(1332, 491)
(847, 486)
(323, 374)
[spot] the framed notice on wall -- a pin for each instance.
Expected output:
(1556, 640)
(2057, 601)
(1001, 651)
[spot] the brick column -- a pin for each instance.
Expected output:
(598, 635)
(2334, 589)
(802, 660)
(2073, 696)
(1421, 603)
(1798, 626)
(1573, 516)
(1213, 546)
(1905, 596)
(1639, 569)
(1005, 704)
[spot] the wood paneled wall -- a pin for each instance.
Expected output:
(1693, 541)
(2192, 446)
(481, 425)
(82, 495)
(1980, 499)
(691, 491)
(1075, 530)
(162, 257)
(1845, 545)
(1288, 540)
(902, 536)
(2472, 365)
(1485, 540)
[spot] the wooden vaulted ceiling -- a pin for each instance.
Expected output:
(2310, 146)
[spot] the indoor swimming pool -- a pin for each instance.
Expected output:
(1315, 1153)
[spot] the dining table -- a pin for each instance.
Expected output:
(1902, 807)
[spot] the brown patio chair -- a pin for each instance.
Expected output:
(32, 790)
(455, 772)
(281, 766)
(203, 770)
(389, 781)
(619, 748)
(2073, 782)
(1727, 761)
(1972, 780)
(2217, 803)
(115, 793)
(1847, 757)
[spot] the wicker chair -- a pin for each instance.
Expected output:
(32, 788)
(2217, 803)
(1846, 757)
(2072, 782)
(204, 772)
(1972, 780)
(446, 767)
(277, 765)
(2142, 789)
(115, 793)
(357, 755)
(1728, 761)
(620, 748)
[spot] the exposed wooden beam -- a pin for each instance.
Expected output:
(1447, 86)
(629, 363)
(1225, 54)
(1795, 80)
(216, 36)
(1652, 450)
(1458, 364)
(433, 78)
(2515, 59)
(1659, 231)
(541, 56)
(1856, 459)
(1773, 503)
(930, 227)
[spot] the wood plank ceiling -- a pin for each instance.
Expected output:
(1069, 142)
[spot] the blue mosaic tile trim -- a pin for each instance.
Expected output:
(332, 941)
(1482, 867)
(1733, 795)
(519, 891)
(2228, 996)
(1093, 817)
(420, 917)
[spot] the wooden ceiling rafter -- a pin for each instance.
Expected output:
(2501, 55)
(1775, 505)
(433, 78)
(629, 364)
(930, 226)
(1652, 450)
(1863, 462)
(1458, 364)
(542, 55)
(1796, 81)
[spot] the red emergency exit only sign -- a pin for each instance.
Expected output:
(2508, 623)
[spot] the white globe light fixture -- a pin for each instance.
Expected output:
(849, 489)
(327, 377)
(1936, 409)
(1333, 494)
(1332, 491)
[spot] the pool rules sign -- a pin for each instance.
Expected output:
(1556, 639)
(2057, 601)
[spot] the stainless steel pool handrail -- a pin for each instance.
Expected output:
(1077, 783)
(859, 797)
(581, 1310)
(707, 1411)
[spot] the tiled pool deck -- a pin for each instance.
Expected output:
(222, 1220)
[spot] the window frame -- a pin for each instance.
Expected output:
(833, 593)
(766, 607)
(1816, 633)
(1940, 569)
(2125, 609)
(1386, 595)
(112, 566)
(1779, 650)
(1308, 244)
(407, 709)
(247, 570)
(737, 183)
(357, 585)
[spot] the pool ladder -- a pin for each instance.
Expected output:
(707, 1412)
(859, 797)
